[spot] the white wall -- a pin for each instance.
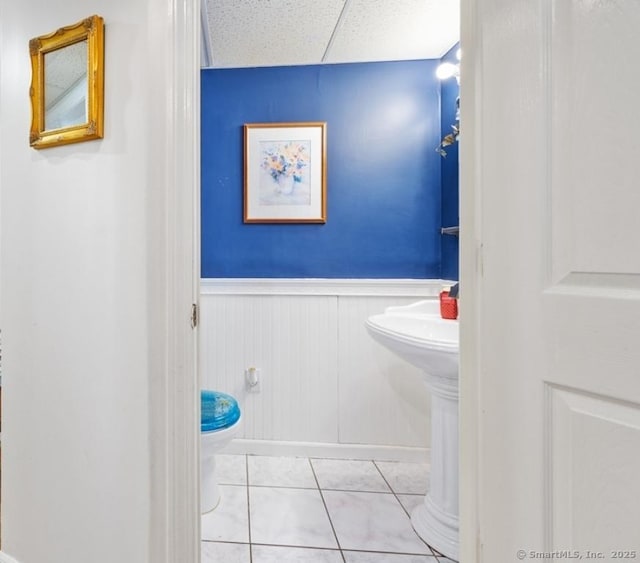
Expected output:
(327, 386)
(88, 299)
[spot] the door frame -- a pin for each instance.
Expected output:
(471, 237)
(177, 473)
(175, 392)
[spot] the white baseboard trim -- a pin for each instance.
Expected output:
(4, 558)
(321, 286)
(324, 450)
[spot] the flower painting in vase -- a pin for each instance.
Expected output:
(285, 177)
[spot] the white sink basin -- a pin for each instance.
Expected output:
(416, 333)
(420, 336)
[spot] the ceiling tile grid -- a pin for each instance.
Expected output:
(270, 32)
(389, 30)
(248, 33)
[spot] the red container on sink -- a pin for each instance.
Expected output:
(448, 306)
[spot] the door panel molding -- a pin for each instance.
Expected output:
(592, 439)
(594, 284)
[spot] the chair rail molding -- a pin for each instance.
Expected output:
(323, 286)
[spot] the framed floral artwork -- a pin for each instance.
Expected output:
(285, 172)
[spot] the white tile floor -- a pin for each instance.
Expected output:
(300, 510)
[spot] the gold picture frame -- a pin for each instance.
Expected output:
(67, 85)
(285, 172)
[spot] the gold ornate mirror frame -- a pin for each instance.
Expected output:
(91, 125)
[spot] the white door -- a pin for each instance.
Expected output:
(550, 291)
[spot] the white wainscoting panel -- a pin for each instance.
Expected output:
(382, 398)
(323, 379)
(292, 341)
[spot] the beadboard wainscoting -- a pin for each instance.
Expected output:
(326, 388)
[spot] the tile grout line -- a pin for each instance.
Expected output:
(403, 553)
(326, 508)
(318, 548)
(393, 492)
(433, 556)
(334, 489)
(433, 553)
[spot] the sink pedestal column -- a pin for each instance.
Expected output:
(436, 520)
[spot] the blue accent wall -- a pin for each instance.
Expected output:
(449, 173)
(384, 204)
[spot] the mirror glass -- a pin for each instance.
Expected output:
(65, 86)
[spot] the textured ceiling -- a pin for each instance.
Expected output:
(249, 33)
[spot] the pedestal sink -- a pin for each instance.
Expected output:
(416, 333)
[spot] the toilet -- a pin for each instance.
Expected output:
(220, 422)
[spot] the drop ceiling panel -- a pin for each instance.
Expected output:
(385, 30)
(270, 32)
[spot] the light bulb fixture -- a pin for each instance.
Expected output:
(448, 70)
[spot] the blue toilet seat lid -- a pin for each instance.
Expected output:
(219, 410)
